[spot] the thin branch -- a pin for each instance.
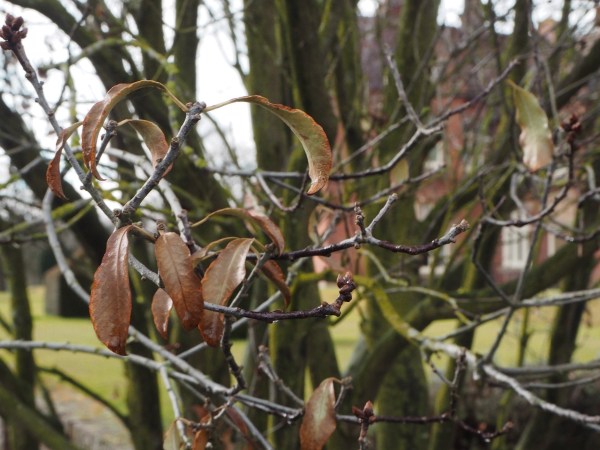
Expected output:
(191, 118)
(372, 199)
(539, 371)
(31, 75)
(410, 111)
(266, 367)
(474, 363)
(234, 367)
(565, 384)
(88, 392)
(365, 238)
(290, 414)
(175, 406)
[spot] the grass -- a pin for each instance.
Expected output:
(103, 375)
(106, 376)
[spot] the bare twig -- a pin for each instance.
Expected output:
(191, 118)
(265, 366)
(175, 405)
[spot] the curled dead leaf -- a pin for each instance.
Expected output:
(267, 225)
(311, 135)
(53, 172)
(153, 137)
(274, 273)
(96, 116)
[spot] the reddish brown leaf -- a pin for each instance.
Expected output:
(180, 281)
(319, 421)
(274, 273)
(310, 133)
(53, 172)
(222, 277)
(240, 424)
(53, 175)
(266, 224)
(153, 137)
(110, 300)
(95, 118)
(161, 308)
(201, 437)
(200, 440)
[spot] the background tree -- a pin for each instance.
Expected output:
(390, 92)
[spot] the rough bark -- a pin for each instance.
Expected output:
(149, 20)
(289, 339)
(413, 56)
(20, 436)
(518, 45)
(185, 47)
(267, 76)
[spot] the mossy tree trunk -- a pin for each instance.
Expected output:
(294, 343)
(403, 389)
(20, 436)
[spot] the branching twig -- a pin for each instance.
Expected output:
(497, 376)
(13, 43)
(191, 118)
(265, 366)
(234, 367)
(366, 238)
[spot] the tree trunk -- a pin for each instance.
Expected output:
(143, 400)
(20, 437)
(29, 420)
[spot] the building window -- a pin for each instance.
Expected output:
(516, 243)
(435, 158)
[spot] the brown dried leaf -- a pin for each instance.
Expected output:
(95, 118)
(319, 421)
(202, 436)
(310, 133)
(240, 424)
(53, 172)
(200, 439)
(207, 251)
(161, 308)
(274, 273)
(222, 277)
(180, 281)
(266, 224)
(53, 179)
(153, 137)
(110, 300)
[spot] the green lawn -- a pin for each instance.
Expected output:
(105, 375)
